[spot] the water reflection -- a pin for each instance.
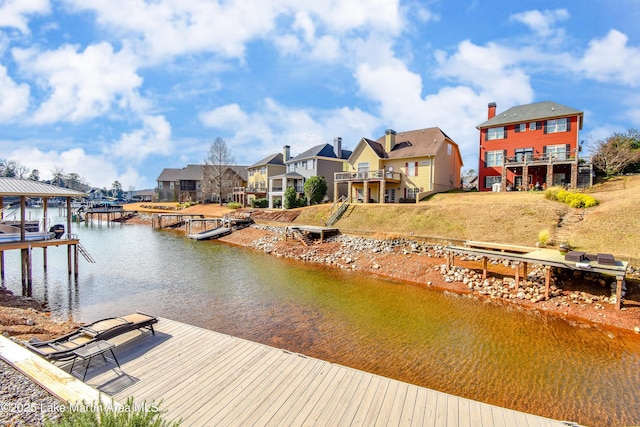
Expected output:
(502, 355)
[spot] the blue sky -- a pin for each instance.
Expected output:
(120, 89)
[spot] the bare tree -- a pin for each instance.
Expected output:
(216, 170)
(612, 155)
(12, 169)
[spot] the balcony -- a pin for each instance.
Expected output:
(249, 190)
(539, 159)
(376, 175)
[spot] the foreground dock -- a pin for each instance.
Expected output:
(208, 378)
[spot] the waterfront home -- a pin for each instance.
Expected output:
(322, 160)
(401, 167)
(193, 183)
(258, 177)
(531, 146)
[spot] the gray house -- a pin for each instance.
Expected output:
(322, 160)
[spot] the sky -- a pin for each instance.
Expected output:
(117, 90)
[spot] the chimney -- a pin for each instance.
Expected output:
(286, 154)
(492, 110)
(337, 147)
(389, 139)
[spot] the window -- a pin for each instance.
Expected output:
(520, 127)
(171, 185)
(363, 168)
(494, 158)
(449, 149)
(523, 154)
(533, 126)
(557, 152)
(304, 164)
(160, 185)
(412, 193)
(490, 180)
(411, 169)
(310, 164)
(495, 133)
(557, 125)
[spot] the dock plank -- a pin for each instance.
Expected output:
(208, 378)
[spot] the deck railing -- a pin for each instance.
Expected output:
(533, 159)
(375, 175)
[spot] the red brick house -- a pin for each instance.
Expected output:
(530, 146)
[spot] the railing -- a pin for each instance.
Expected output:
(529, 159)
(242, 190)
(375, 175)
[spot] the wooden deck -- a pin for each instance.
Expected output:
(208, 378)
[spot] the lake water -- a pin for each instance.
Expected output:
(501, 355)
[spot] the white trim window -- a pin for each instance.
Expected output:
(533, 126)
(411, 169)
(160, 185)
(495, 133)
(556, 125)
(449, 149)
(310, 164)
(521, 127)
(494, 158)
(412, 193)
(490, 180)
(557, 152)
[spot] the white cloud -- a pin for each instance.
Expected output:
(14, 13)
(611, 59)
(80, 85)
(15, 97)
(94, 168)
(264, 132)
(542, 22)
(153, 138)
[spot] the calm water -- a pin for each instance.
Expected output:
(501, 355)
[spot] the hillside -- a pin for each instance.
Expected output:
(517, 218)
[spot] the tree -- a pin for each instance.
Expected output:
(35, 175)
(216, 170)
(58, 177)
(116, 189)
(12, 169)
(290, 198)
(315, 188)
(616, 153)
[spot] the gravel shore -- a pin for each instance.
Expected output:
(23, 402)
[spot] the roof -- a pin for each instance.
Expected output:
(241, 171)
(168, 174)
(191, 173)
(295, 175)
(322, 150)
(415, 143)
(530, 113)
(25, 187)
(273, 159)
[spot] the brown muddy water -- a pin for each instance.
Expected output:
(519, 359)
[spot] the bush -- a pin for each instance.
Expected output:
(131, 415)
(571, 198)
(543, 237)
(234, 205)
(259, 203)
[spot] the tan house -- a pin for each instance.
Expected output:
(401, 167)
(191, 183)
(258, 175)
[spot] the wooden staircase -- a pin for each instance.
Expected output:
(297, 234)
(342, 208)
(567, 224)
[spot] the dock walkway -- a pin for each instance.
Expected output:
(209, 378)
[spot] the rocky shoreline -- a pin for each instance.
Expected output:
(575, 296)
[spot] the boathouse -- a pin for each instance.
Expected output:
(19, 233)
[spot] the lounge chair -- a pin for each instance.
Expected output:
(62, 348)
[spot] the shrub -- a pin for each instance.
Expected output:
(259, 203)
(131, 415)
(571, 198)
(543, 237)
(234, 205)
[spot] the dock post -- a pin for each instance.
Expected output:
(517, 276)
(75, 260)
(547, 281)
(484, 267)
(618, 292)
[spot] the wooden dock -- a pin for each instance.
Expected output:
(208, 378)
